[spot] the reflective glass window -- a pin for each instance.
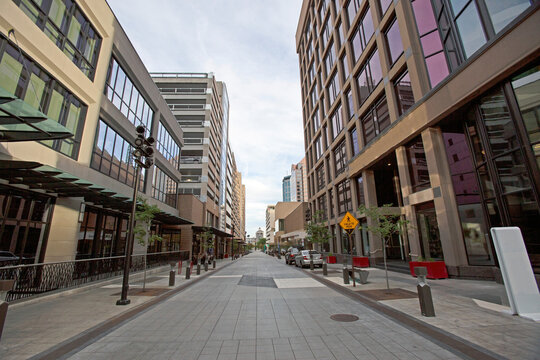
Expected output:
(337, 122)
(164, 188)
(470, 29)
(340, 158)
(354, 142)
(404, 94)
(418, 169)
(167, 146)
(393, 39)
(503, 12)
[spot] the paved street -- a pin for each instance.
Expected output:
(259, 308)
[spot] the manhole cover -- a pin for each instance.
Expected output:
(344, 317)
(259, 281)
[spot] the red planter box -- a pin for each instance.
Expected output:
(331, 260)
(435, 269)
(360, 261)
(226, 256)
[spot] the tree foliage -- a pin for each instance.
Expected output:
(207, 238)
(144, 215)
(317, 230)
(261, 243)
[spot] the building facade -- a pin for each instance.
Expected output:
(286, 188)
(432, 107)
(200, 105)
(70, 198)
(270, 219)
(298, 181)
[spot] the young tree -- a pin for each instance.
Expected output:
(384, 225)
(207, 239)
(143, 216)
(261, 243)
(316, 229)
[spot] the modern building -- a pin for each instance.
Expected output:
(281, 211)
(69, 198)
(259, 234)
(298, 181)
(286, 188)
(200, 106)
(270, 219)
(431, 106)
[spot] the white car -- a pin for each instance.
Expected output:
(303, 258)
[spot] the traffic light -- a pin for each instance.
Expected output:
(143, 148)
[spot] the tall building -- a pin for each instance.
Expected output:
(71, 67)
(270, 219)
(286, 188)
(431, 106)
(200, 106)
(259, 234)
(298, 181)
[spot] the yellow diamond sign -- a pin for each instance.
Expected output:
(348, 222)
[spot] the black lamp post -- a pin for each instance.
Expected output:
(142, 155)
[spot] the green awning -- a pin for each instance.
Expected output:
(21, 122)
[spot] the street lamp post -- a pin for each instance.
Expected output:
(142, 155)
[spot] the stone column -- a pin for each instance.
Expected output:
(370, 193)
(445, 201)
(62, 241)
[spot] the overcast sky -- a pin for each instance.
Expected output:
(249, 45)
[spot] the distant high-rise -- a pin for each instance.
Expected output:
(286, 188)
(298, 181)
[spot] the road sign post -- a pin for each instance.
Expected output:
(349, 223)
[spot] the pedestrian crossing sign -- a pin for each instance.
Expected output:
(349, 222)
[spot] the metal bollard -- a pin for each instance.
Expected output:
(324, 269)
(206, 266)
(345, 276)
(213, 264)
(424, 292)
(188, 272)
(198, 268)
(172, 275)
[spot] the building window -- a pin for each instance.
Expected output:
(469, 26)
(344, 197)
(340, 157)
(124, 95)
(502, 13)
(331, 201)
(316, 121)
(167, 146)
(321, 202)
(325, 35)
(320, 175)
(350, 108)
(345, 65)
(318, 148)
(404, 94)
(431, 42)
(393, 40)
(65, 24)
(164, 188)
(112, 156)
(354, 142)
(341, 35)
(418, 169)
(385, 4)
(329, 59)
(362, 34)
(337, 122)
(376, 120)
(333, 90)
(41, 91)
(360, 190)
(369, 77)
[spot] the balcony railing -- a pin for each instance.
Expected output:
(31, 280)
(186, 106)
(191, 160)
(178, 75)
(190, 178)
(166, 91)
(193, 124)
(188, 141)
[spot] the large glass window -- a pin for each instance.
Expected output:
(164, 188)
(352, 9)
(167, 146)
(318, 148)
(112, 156)
(320, 176)
(340, 158)
(65, 24)
(43, 92)
(333, 89)
(503, 12)
(337, 122)
(404, 94)
(470, 28)
(362, 34)
(393, 39)
(321, 204)
(344, 197)
(418, 169)
(125, 96)
(369, 77)
(354, 142)
(431, 42)
(375, 120)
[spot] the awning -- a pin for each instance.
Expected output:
(21, 122)
(214, 230)
(61, 184)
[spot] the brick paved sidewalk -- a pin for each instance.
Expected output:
(473, 310)
(37, 324)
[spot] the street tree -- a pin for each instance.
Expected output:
(384, 225)
(144, 215)
(261, 243)
(317, 230)
(206, 238)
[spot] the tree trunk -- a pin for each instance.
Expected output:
(144, 278)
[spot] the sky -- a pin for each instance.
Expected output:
(249, 45)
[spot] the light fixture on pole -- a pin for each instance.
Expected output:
(142, 156)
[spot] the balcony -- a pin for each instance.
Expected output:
(190, 178)
(183, 91)
(186, 106)
(190, 159)
(191, 141)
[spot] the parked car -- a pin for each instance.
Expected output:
(290, 255)
(303, 258)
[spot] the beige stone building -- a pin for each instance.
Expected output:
(67, 199)
(433, 107)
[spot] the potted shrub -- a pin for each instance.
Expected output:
(436, 269)
(331, 259)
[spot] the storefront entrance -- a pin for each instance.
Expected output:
(428, 231)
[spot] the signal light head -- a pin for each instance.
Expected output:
(140, 129)
(150, 140)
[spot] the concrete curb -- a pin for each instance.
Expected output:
(74, 344)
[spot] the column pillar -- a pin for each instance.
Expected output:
(370, 194)
(62, 240)
(444, 199)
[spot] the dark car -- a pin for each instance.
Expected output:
(290, 255)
